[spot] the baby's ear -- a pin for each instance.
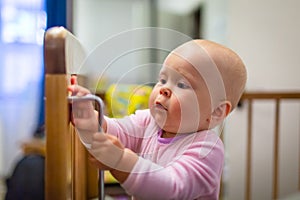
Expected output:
(221, 111)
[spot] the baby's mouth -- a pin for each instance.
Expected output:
(160, 106)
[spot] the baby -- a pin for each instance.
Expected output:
(170, 151)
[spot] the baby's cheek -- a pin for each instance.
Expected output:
(189, 115)
(152, 98)
(176, 106)
(189, 106)
(188, 102)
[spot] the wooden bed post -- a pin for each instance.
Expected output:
(249, 151)
(67, 172)
(58, 151)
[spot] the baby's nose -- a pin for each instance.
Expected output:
(165, 91)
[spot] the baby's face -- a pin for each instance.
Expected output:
(180, 101)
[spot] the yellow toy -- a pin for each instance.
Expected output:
(125, 99)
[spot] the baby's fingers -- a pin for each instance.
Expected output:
(78, 90)
(74, 80)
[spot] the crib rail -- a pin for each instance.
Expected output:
(68, 175)
(277, 97)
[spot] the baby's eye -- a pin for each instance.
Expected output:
(183, 85)
(162, 81)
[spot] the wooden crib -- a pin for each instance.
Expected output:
(277, 98)
(68, 174)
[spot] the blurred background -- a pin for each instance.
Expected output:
(22, 26)
(264, 33)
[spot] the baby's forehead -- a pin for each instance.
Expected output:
(180, 70)
(196, 63)
(192, 58)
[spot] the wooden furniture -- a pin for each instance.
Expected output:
(34, 146)
(276, 97)
(68, 174)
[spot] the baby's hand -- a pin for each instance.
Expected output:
(76, 89)
(83, 115)
(106, 151)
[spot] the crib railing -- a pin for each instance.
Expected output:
(277, 97)
(68, 175)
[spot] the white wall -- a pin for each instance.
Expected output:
(266, 34)
(215, 20)
(100, 23)
(98, 20)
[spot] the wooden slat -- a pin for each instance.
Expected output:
(92, 181)
(276, 150)
(79, 175)
(249, 151)
(58, 151)
(271, 95)
(85, 176)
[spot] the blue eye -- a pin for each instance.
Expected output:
(182, 85)
(162, 81)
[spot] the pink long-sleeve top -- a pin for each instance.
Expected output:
(188, 166)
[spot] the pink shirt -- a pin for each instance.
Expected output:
(188, 166)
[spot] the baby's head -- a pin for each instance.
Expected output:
(199, 84)
(230, 67)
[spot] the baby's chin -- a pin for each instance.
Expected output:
(160, 117)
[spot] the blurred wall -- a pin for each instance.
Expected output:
(100, 24)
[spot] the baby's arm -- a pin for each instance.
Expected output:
(107, 153)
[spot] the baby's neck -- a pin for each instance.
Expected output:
(167, 134)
